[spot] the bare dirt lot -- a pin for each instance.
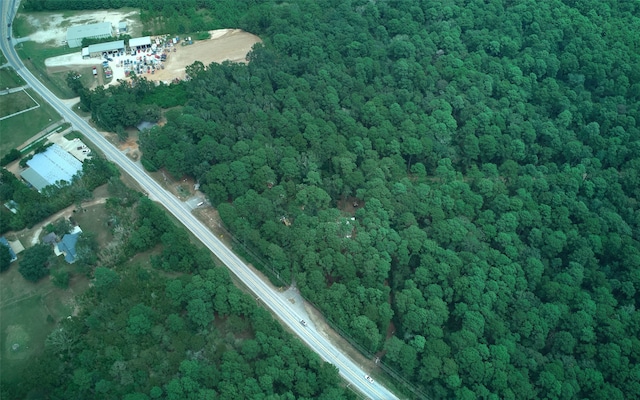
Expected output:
(225, 44)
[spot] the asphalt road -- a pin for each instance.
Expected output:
(318, 343)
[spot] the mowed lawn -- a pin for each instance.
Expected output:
(15, 102)
(9, 79)
(19, 128)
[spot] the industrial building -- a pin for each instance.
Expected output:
(96, 50)
(140, 43)
(51, 166)
(75, 34)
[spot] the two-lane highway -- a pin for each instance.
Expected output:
(318, 343)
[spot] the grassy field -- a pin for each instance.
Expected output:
(9, 78)
(18, 129)
(33, 55)
(94, 219)
(14, 102)
(21, 26)
(2, 58)
(29, 311)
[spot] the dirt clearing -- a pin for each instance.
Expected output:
(225, 44)
(52, 27)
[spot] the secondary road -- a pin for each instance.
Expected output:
(349, 370)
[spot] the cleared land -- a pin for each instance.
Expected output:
(51, 27)
(224, 45)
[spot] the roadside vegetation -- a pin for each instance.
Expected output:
(34, 54)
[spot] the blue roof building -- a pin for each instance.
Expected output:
(67, 245)
(51, 166)
(4, 242)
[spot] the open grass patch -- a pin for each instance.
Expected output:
(74, 135)
(15, 102)
(94, 219)
(18, 129)
(3, 59)
(21, 26)
(24, 330)
(9, 78)
(33, 56)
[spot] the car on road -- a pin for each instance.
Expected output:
(303, 322)
(370, 379)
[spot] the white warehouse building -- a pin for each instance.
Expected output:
(75, 34)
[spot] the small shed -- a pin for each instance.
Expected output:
(4, 242)
(122, 26)
(50, 238)
(145, 125)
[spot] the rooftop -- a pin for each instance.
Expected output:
(90, 30)
(51, 166)
(107, 46)
(68, 245)
(141, 41)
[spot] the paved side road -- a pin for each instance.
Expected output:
(348, 369)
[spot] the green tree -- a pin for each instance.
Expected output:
(35, 262)
(5, 258)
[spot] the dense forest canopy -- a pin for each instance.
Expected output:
(493, 152)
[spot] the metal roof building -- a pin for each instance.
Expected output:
(98, 49)
(75, 34)
(139, 42)
(67, 245)
(51, 166)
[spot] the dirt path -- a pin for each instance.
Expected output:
(67, 212)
